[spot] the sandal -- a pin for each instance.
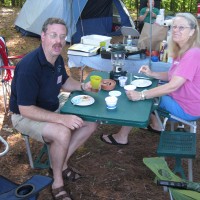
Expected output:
(60, 194)
(71, 174)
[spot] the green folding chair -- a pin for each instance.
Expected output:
(160, 168)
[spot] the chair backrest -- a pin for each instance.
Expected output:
(3, 53)
(4, 61)
(125, 30)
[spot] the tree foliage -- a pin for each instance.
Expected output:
(169, 5)
(12, 3)
(133, 5)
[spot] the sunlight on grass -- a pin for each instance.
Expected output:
(14, 139)
(6, 11)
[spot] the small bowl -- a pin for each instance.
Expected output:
(108, 84)
(129, 87)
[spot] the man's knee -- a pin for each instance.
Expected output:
(57, 133)
(92, 126)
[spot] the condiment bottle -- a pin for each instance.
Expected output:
(161, 53)
(129, 41)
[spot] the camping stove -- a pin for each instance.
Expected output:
(117, 59)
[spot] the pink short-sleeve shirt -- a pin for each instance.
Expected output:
(188, 95)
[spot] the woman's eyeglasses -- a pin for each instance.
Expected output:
(180, 28)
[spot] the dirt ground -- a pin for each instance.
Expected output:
(111, 172)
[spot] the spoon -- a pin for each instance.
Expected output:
(141, 77)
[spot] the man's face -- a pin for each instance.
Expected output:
(53, 40)
(148, 3)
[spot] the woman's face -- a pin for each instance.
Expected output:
(181, 31)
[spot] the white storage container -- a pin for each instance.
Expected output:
(95, 40)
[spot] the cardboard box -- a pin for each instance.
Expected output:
(95, 40)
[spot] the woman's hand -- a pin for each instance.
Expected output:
(133, 95)
(145, 70)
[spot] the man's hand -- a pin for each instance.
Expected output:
(154, 15)
(87, 86)
(71, 121)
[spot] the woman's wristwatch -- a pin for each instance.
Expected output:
(142, 95)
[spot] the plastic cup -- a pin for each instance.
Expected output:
(111, 102)
(129, 87)
(122, 80)
(95, 83)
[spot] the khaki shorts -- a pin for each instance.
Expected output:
(33, 128)
(28, 127)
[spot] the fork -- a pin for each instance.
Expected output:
(141, 77)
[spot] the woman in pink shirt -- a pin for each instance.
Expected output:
(181, 94)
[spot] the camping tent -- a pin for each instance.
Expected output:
(83, 17)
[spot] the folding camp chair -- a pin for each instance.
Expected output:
(160, 168)
(29, 190)
(6, 70)
(126, 31)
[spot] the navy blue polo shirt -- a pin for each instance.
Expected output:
(37, 82)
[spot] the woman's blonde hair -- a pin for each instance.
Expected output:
(174, 49)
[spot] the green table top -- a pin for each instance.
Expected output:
(127, 113)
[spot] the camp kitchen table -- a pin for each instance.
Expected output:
(132, 64)
(127, 113)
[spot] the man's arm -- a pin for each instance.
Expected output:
(73, 85)
(155, 12)
(38, 114)
(143, 13)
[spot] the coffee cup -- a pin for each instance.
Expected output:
(111, 102)
(122, 80)
(95, 83)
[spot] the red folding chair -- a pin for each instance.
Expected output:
(6, 71)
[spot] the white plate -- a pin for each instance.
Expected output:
(141, 83)
(115, 93)
(82, 100)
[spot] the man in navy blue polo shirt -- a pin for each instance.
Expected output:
(34, 102)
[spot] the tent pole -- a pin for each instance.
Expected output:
(150, 33)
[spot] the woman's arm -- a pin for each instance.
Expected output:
(175, 83)
(157, 75)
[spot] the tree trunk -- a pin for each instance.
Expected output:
(13, 3)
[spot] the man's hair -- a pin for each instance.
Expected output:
(51, 21)
(194, 40)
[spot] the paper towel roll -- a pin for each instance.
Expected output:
(160, 19)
